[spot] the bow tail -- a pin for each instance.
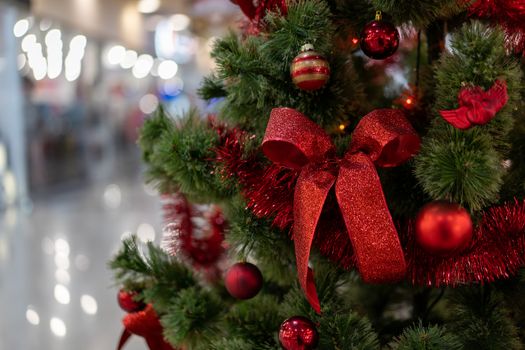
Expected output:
(123, 339)
(368, 221)
(313, 186)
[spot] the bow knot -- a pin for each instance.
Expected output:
(383, 138)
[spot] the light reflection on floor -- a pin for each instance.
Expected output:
(56, 292)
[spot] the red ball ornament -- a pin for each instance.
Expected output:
(379, 39)
(127, 302)
(243, 280)
(310, 70)
(443, 228)
(298, 333)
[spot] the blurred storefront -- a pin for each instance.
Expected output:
(87, 72)
(77, 79)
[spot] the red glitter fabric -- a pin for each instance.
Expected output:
(510, 14)
(383, 138)
(477, 107)
(256, 12)
(145, 324)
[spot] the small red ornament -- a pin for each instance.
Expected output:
(379, 39)
(443, 228)
(243, 280)
(298, 333)
(310, 70)
(127, 302)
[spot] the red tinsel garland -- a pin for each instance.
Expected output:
(497, 250)
(193, 234)
(510, 14)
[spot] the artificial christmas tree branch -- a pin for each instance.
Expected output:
(465, 166)
(469, 113)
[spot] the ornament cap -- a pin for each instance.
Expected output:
(307, 47)
(379, 15)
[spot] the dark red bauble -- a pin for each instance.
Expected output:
(443, 228)
(127, 302)
(379, 39)
(243, 280)
(298, 333)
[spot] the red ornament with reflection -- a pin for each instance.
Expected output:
(127, 302)
(298, 333)
(379, 39)
(443, 228)
(243, 281)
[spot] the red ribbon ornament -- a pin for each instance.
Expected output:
(477, 107)
(145, 324)
(257, 13)
(384, 138)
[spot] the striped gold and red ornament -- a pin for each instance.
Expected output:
(310, 70)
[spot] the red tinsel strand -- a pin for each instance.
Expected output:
(496, 252)
(181, 239)
(272, 195)
(510, 14)
(269, 192)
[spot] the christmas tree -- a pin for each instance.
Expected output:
(361, 185)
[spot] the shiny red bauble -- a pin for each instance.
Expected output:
(298, 333)
(309, 70)
(243, 280)
(379, 39)
(127, 302)
(443, 228)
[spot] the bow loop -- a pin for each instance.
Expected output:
(292, 140)
(386, 137)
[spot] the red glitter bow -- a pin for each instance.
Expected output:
(384, 138)
(145, 324)
(477, 107)
(257, 13)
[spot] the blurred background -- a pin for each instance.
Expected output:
(77, 79)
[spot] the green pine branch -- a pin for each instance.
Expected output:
(466, 166)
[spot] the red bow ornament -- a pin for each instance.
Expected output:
(257, 13)
(383, 137)
(145, 324)
(477, 107)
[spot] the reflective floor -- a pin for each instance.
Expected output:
(55, 287)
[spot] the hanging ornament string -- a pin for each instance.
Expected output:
(384, 138)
